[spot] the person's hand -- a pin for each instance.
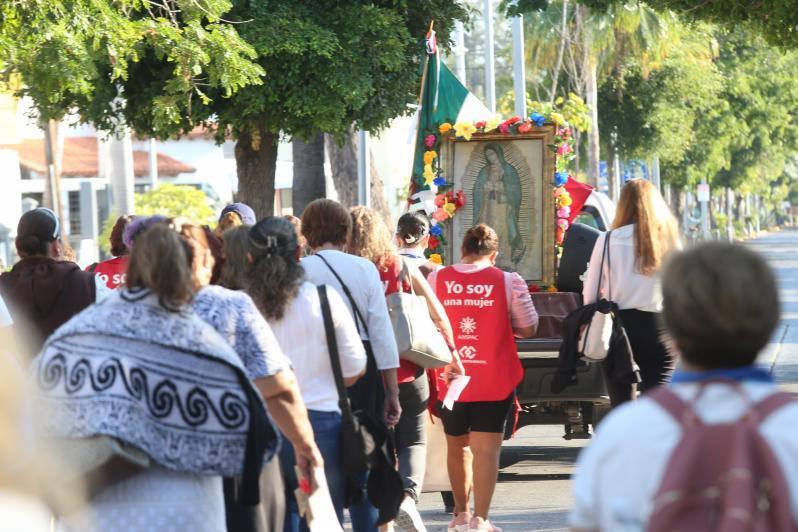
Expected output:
(393, 411)
(308, 457)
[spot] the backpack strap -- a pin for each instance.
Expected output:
(771, 403)
(671, 403)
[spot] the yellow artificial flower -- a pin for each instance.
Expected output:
(429, 156)
(464, 129)
(450, 209)
(429, 174)
(436, 258)
(558, 119)
(492, 123)
(445, 127)
(564, 200)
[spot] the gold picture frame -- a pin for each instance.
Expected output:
(508, 179)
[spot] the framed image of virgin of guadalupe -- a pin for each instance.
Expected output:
(507, 182)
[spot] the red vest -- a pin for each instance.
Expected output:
(390, 280)
(477, 306)
(113, 271)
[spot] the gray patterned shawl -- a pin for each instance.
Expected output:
(160, 380)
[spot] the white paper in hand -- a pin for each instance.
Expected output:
(323, 518)
(456, 387)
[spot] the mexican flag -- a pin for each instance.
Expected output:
(443, 100)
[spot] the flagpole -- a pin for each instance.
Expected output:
(419, 110)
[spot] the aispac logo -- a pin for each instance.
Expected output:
(468, 325)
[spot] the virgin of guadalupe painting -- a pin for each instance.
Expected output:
(503, 179)
(497, 203)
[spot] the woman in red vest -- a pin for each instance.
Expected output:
(114, 271)
(488, 308)
(371, 239)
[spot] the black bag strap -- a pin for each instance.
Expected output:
(605, 256)
(355, 310)
(335, 358)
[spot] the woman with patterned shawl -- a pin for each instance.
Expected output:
(152, 403)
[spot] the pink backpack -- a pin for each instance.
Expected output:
(721, 477)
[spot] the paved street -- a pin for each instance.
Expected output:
(533, 491)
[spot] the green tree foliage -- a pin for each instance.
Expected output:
(250, 69)
(168, 200)
(776, 19)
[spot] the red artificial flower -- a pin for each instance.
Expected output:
(480, 124)
(460, 199)
(433, 242)
(560, 236)
(440, 199)
(504, 127)
(525, 127)
(533, 288)
(440, 215)
(513, 120)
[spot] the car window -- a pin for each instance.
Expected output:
(589, 217)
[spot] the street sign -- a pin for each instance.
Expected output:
(703, 192)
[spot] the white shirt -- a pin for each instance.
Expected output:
(629, 288)
(5, 316)
(302, 336)
(620, 472)
(363, 281)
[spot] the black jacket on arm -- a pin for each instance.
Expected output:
(619, 364)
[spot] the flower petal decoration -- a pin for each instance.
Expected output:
(429, 174)
(504, 128)
(435, 230)
(534, 288)
(429, 156)
(513, 120)
(525, 127)
(551, 288)
(445, 127)
(450, 209)
(558, 119)
(433, 242)
(480, 124)
(564, 149)
(564, 212)
(429, 141)
(440, 181)
(559, 191)
(562, 223)
(460, 199)
(440, 200)
(564, 200)
(436, 258)
(464, 129)
(440, 215)
(492, 123)
(560, 178)
(537, 119)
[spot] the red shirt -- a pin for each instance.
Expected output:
(113, 271)
(476, 304)
(390, 281)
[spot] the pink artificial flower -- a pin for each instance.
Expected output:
(504, 127)
(429, 141)
(513, 120)
(562, 223)
(564, 149)
(564, 212)
(440, 215)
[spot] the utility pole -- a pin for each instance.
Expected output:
(519, 67)
(490, 74)
(153, 160)
(703, 198)
(363, 165)
(460, 51)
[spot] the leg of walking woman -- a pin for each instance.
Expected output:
(655, 362)
(459, 462)
(411, 449)
(486, 447)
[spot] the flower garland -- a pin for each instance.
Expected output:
(442, 203)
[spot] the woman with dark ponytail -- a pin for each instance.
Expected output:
(275, 280)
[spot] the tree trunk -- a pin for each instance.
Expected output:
(593, 151)
(611, 177)
(256, 162)
(560, 53)
(343, 165)
(309, 182)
